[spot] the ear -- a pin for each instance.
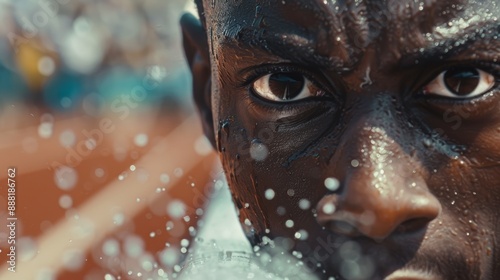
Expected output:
(197, 53)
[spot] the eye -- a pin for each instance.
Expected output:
(461, 83)
(285, 87)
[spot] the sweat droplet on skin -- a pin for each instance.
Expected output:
(301, 235)
(258, 151)
(332, 184)
(269, 194)
(328, 208)
(304, 204)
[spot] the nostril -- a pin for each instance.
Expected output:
(412, 225)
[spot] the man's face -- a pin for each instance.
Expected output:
(364, 134)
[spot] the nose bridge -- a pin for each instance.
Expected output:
(382, 184)
(377, 147)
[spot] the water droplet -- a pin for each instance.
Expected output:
(46, 66)
(132, 168)
(99, 172)
(304, 204)
(269, 194)
(65, 201)
(178, 172)
(122, 176)
(118, 219)
(169, 225)
(258, 151)
(65, 177)
(169, 257)
(328, 208)
(202, 146)
(133, 246)
(427, 142)
(111, 248)
(141, 140)
(184, 242)
(354, 163)
(147, 262)
(176, 209)
(289, 223)
(164, 178)
(45, 130)
(199, 212)
(301, 234)
(109, 277)
(332, 184)
(67, 138)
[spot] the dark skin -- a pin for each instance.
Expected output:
(375, 123)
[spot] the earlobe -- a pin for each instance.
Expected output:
(195, 43)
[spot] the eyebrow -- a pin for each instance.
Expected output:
(484, 32)
(295, 46)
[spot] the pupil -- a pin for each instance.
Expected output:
(286, 86)
(462, 81)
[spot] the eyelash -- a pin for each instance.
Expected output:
(489, 67)
(272, 69)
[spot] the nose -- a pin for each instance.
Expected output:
(363, 209)
(382, 189)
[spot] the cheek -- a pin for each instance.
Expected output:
(274, 186)
(236, 150)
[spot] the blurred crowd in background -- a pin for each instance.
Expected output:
(69, 55)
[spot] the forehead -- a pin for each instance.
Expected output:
(364, 13)
(341, 28)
